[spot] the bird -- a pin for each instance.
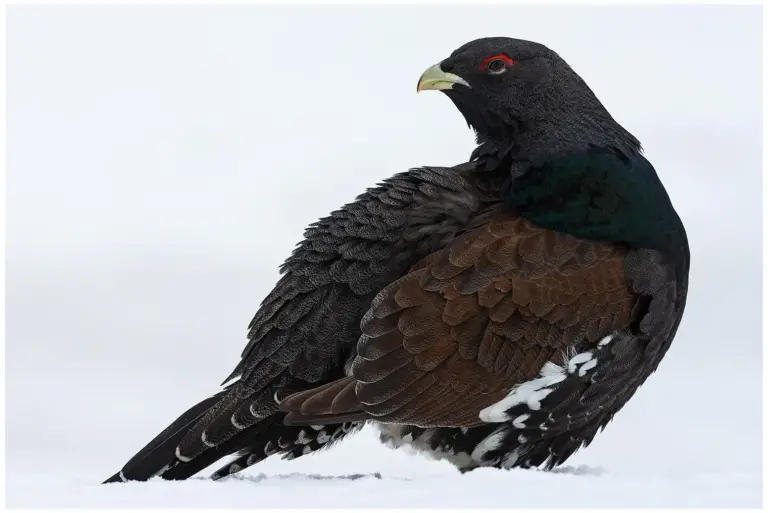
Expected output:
(497, 313)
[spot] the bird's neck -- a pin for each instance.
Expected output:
(559, 131)
(599, 193)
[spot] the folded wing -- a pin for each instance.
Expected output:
(471, 322)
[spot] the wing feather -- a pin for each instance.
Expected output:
(472, 321)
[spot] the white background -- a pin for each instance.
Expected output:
(163, 161)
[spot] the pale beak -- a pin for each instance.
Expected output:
(438, 80)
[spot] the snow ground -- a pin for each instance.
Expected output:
(152, 194)
(425, 486)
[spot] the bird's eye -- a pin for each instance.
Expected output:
(497, 64)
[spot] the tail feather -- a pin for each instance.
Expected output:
(156, 456)
(205, 433)
(246, 438)
(238, 411)
(229, 418)
(292, 442)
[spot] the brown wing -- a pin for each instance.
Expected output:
(470, 322)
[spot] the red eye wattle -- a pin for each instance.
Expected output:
(502, 57)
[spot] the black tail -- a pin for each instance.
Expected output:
(168, 455)
(161, 451)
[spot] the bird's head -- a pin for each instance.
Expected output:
(519, 96)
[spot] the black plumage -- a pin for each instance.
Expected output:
(497, 313)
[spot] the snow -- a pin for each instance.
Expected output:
(152, 194)
(436, 487)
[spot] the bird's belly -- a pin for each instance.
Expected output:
(464, 448)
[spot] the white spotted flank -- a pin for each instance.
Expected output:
(531, 393)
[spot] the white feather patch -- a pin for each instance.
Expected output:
(530, 393)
